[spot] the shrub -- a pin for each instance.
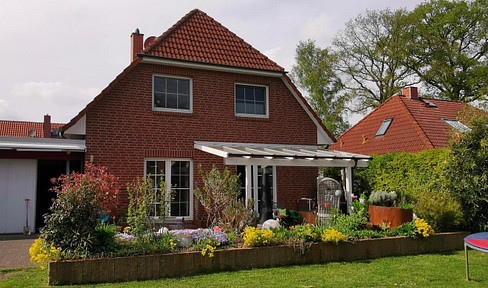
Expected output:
(305, 232)
(467, 176)
(236, 216)
(383, 198)
(140, 195)
(218, 192)
(440, 209)
(330, 235)
(105, 236)
(257, 237)
(73, 219)
(349, 224)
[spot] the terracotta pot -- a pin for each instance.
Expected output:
(392, 216)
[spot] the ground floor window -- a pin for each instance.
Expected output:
(178, 175)
(264, 194)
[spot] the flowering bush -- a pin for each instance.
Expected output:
(256, 237)
(423, 228)
(333, 236)
(199, 235)
(41, 253)
(73, 219)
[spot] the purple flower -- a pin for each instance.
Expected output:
(203, 234)
(124, 236)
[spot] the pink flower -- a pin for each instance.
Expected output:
(217, 229)
(326, 205)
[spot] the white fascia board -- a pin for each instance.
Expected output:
(184, 64)
(294, 162)
(211, 150)
(79, 128)
(322, 136)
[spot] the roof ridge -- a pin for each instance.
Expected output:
(416, 122)
(32, 122)
(160, 41)
(170, 30)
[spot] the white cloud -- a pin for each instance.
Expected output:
(321, 28)
(35, 98)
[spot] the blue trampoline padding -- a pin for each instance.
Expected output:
(478, 241)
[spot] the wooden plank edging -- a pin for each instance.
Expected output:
(109, 270)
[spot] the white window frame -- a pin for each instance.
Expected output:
(266, 101)
(190, 91)
(456, 124)
(252, 192)
(167, 171)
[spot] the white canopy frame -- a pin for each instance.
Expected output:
(249, 154)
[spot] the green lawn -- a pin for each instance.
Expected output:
(435, 270)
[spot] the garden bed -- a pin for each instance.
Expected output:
(189, 263)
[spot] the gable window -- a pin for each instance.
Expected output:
(384, 127)
(251, 100)
(178, 175)
(456, 124)
(172, 93)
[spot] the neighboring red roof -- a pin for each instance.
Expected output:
(21, 128)
(198, 37)
(416, 126)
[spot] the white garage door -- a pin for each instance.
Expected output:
(18, 181)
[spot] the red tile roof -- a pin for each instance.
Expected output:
(21, 128)
(197, 37)
(416, 126)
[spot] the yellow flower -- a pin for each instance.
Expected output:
(41, 253)
(423, 228)
(333, 236)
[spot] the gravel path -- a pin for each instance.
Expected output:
(14, 253)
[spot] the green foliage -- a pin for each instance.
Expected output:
(349, 225)
(105, 235)
(73, 219)
(314, 72)
(140, 195)
(467, 174)
(219, 191)
(446, 46)
(418, 179)
(383, 198)
(370, 52)
(440, 209)
(153, 244)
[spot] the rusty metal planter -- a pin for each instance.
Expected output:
(391, 216)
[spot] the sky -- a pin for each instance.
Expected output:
(57, 55)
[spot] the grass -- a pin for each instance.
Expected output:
(434, 270)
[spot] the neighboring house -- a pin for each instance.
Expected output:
(403, 123)
(200, 95)
(31, 153)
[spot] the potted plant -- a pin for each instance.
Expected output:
(383, 211)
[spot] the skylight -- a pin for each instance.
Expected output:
(457, 125)
(384, 127)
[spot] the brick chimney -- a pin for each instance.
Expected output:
(46, 126)
(136, 44)
(411, 93)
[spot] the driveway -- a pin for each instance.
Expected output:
(14, 251)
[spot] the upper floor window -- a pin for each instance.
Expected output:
(172, 93)
(251, 100)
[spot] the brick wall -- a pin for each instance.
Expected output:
(122, 130)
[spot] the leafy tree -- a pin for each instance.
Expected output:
(448, 48)
(467, 173)
(314, 72)
(370, 54)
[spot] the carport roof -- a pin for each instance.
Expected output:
(42, 144)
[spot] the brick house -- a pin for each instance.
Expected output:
(199, 95)
(403, 123)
